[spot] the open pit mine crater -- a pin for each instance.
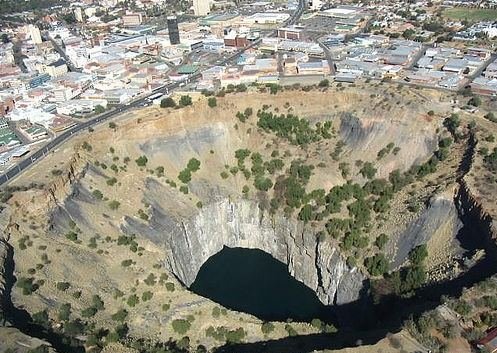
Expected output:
(339, 186)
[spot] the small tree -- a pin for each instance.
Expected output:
(41, 318)
(376, 265)
(86, 146)
(273, 88)
(212, 102)
(167, 103)
(5, 38)
(114, 205)
(185, 176)
(408, 33)
(185, 101)
(126, 263)
(381, 241)
(147, 296)
(491, 116)
(64, 312)
(241, 87)
(150, 280)
(181, 326)
(248, 112)
(72, 236)
(111, 181)
(27, 285)
(120, 315)
(305, 213)
(193, 164)
(99, 109)
(368, 170)
(74, 328)
(324, 83)
(475, 101)
(133, 300)
(267, 328)
(89, 312)
(159, 171)
(97, 302)
(263, 184)
(141, 161)
(452, 123)
(63, 286)
(317, 323)
(418, 255)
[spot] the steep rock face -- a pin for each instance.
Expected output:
(3, 274)
(70, 209)
(441, 215)
(368, 136)
(356, 133)
(13, 340)
(58, 190)
(189, 242)
(471, 206)
(336, 278)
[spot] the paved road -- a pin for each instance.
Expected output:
(61, 52)
(39, 154)
(418, 56)
(480, 70)
(348, 38)
(327, 55)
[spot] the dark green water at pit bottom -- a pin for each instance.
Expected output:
(254, 282)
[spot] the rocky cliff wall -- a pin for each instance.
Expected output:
(469, 203)
(470, 206)
(3, 276)
(366, 136)
(441, 215)
(189, 242)
(58, 190)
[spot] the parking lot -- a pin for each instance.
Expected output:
(320, 25)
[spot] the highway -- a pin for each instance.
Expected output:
(66, 135)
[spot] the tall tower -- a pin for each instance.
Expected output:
(35, 34)
(172, 27)
(201, 7)
(78, 14)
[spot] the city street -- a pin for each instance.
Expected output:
(36, 156)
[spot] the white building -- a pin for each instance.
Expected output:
(267, 18)
(35, 34)
(315, 5)
(342, 12)
(57, 68)
(78, 55)
(7, 54)
(132, 19)
(64, 94)
(78, 14)
(31, 114)
(80, 106)
(90, 11)
(201, 7)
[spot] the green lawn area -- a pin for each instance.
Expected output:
(472, 15)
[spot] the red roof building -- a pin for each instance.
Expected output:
(489, 342)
